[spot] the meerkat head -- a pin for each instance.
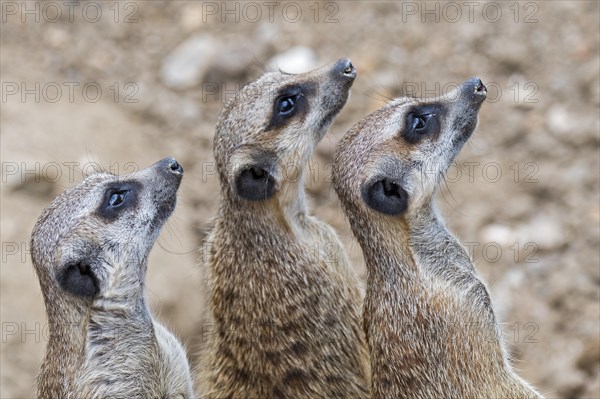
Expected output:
(267, 132)
(391, 162)
(94, 239)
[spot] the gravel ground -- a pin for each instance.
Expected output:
(122, 85)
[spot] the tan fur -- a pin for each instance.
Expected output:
(430, 324)
(108, 345)
(286, 314)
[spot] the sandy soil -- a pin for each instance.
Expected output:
(524, 193)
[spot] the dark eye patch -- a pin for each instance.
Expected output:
(118, 197)
(290, 102)
(423, 121)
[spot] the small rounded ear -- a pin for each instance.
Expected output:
(255, 183)
(79, 279)
(385, 196)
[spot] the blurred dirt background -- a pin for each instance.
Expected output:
(524, 192)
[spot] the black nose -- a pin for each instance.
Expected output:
(474, 89)
(344, 68)
(171, 165)
(176, 167)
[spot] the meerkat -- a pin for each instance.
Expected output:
(285, 315)
(429, 320)
(90, 249)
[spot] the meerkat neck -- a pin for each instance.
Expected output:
(65, 347)
(444, 261)
(292, 196)
(434, 246)
(393, 307)
(125, 294)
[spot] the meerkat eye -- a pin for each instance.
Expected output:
(419, 125)
(290, 103)
(116, 198)
(419, 122)
(286, 105)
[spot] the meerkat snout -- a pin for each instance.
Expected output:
(175, 167)
(90, 249)
(344, 68)
(480, 87)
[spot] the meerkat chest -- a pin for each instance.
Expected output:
(321, 243)
(283, 320)
(119, 356)
(276, 288)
